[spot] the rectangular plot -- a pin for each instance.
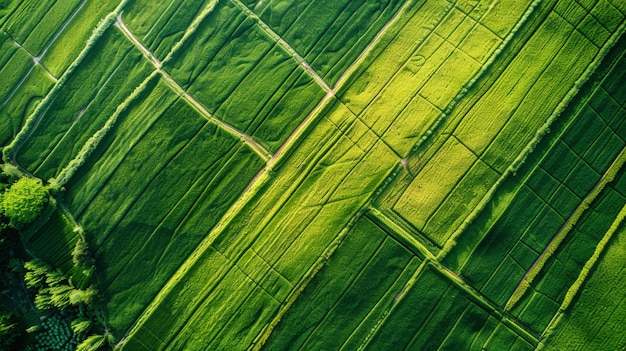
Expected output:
(502, 338)
(582, 179)
(564, 201)
(434, 182)
(411, 312)
(542, 183)
(539, 312)
(604, 104)
(344, 47)
(604, 151)
(13, 71)
(592, 29)
(529, 64)
(328, 285)
(50, 25)
(583, 130)
(243, 326)
(222, 74)
(523, 255)
(26, 17)
(178, 183)
(560, 161)
(570, 62)
(242, 105)
(606, 206)
(461, 201)
(502, 237)
(224, 24)
(278, 120)
(542, 229)
(502, 16)
(466, 329)
(449, 79)
(613, 84)
(348, 311)
(71, 41)
(410, 125)
(433, 332)
(503, 281)
(405, 85)
(7, 48)
(481, 34)
(312, 23)
(23, 102)
(571, 11)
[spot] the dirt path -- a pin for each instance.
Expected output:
(254, 145)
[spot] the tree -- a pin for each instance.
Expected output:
(24, 201)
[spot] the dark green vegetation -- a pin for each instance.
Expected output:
(319, 175)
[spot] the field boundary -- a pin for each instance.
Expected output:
(247, 139)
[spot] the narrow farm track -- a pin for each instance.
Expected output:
(254, 145)
(283, 44)
(306, 122)
(60, 30)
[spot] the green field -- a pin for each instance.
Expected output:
(318, 175)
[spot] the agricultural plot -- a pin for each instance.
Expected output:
(586, 327)
(549, 196)
(365, 274)
(435, 313)
(170, 208)
(316, 175)
(464, 158)
(230, 47)
(83, 105)
(329, 35)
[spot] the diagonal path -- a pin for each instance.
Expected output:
(284, 45)
(253, 144)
